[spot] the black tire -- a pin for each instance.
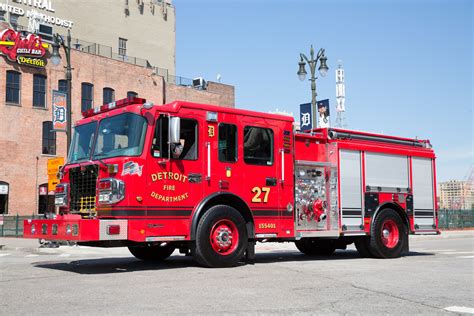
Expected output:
(379, 248)
(362, 245)
(315, 247)
(208, 252)
(152, 253)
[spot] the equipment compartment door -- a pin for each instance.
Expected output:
(423, 196)
(351, 190)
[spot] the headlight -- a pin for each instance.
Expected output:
(111, 191)
(60, 198)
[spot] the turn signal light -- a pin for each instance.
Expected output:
(113, 230)
(105, 184)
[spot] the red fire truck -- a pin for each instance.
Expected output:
(212, 181)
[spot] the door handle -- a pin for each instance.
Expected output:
(195, 178)
(270, 182)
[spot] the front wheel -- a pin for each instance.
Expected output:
(388, 235)
(152, 253)
(221, 237)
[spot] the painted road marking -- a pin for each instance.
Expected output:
(64, 255)
(460, 309)
(466, 257)
(4, 254)
(460, 253)
(29, 256)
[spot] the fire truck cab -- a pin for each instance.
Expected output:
(213, 181)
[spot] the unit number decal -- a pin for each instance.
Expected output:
(258, 192)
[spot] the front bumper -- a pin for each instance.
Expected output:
(74, 228)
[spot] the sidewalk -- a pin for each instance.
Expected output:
(23, 244)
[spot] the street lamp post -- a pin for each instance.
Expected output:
(56, 60)
(323, 69)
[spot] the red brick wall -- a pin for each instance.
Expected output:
(22, 164)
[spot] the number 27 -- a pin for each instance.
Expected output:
(258, 191)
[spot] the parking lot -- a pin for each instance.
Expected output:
(437, 277)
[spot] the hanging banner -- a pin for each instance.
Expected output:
(306, 117)
(59, 109)
(323, 114)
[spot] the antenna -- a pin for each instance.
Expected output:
(219, 77)
(340, 97)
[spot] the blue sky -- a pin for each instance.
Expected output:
(408, 64)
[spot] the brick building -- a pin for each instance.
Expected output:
(26, 139)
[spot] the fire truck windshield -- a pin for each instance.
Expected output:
(121, 135)
(81, 147)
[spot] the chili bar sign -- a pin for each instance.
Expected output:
(26, 50)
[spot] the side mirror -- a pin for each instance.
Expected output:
(175, 130)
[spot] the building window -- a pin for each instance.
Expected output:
(2, 16)
(122, 46)
(4, 188)
(132, 94)
(87, 94)
(108, 95)
(49, 139)
(258, 146)
(227, 142)
(14, 21)
(62, 85)
(13, 87)
(39, 91)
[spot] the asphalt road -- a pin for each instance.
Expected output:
(435, 278)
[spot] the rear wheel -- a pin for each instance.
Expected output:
(388, 235)
(314, 246)
(152, 253)
(221, 237)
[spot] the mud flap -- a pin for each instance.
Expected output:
(406, 247)
(250, 252)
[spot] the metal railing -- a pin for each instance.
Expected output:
(13, 225)
(454, 219)
(106, 51)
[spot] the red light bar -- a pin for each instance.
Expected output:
(112, 105)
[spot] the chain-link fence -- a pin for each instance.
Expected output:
(453, 219)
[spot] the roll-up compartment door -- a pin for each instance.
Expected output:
(423, 196)
(351, 190)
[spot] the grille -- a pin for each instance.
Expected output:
(83, 189)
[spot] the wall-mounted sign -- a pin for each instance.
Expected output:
(59, 111)
(36, 4)
(25, 50)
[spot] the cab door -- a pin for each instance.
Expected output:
(260, 182)
(175, 170)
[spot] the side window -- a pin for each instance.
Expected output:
(258, 146)
(188, 140)
(159, 147)
(188, 146)
(227, 142)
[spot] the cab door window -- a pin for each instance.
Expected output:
(187, 149)
(258, 146)
(227, 142)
